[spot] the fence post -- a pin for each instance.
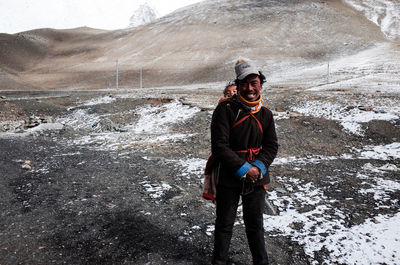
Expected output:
(141, 78)
(116, 76)
(327, 75)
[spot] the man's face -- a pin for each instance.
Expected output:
(230, 91)
(250, 87)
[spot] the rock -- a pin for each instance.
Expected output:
(270, 208)
(365, 108)
(33, 124)
(348, 108)
(34, 121)
(293, 114)
(280, 190)
(389, 167)
(104, 125)
(119, 129)
(110, 205)
(368, 166)
(26, 166)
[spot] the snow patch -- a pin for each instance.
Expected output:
(350, 118)
(156, 119)
(192, 166)
(376, 241)
(381, 152)
(156, 190)
(302, 160)
(152, 127)
(97, 101)
(79, 119)
(383, 169)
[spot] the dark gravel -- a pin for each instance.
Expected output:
(82, 205)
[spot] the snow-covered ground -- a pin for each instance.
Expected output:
(372, 242)
(375, 241)
(375, 69)
(153, 126)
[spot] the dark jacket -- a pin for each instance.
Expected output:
(227, 140)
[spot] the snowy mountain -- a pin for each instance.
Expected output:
(142, 15)
(385, 14)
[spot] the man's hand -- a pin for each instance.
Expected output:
(253, 174)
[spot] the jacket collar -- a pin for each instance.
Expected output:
(251, 106)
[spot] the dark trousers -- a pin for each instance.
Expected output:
(253, 206)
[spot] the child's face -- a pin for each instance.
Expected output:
(230, 91)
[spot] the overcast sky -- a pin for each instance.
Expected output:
(22, 15)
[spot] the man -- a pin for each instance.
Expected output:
(244, 144)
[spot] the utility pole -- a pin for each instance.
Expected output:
(141, 78)
(116, 76)
(327, 75)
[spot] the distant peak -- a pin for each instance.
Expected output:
(142, 15)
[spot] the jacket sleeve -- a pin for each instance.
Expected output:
(221, 124)
(269, 144)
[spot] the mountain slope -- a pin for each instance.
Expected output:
(197, 44)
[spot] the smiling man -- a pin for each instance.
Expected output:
(244, 144)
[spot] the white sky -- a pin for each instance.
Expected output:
(22, 15)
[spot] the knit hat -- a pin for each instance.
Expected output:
(244, 68)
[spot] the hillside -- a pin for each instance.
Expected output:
(196, 44)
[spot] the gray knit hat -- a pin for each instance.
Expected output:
(244, 68)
